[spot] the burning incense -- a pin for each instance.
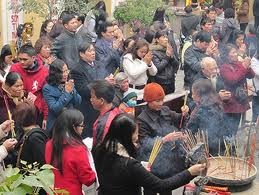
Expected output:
(184, 104)
(155, 150)
(9, 116)
(116, 71)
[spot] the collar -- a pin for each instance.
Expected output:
(122, 151)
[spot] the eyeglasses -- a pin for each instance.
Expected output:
(81, 125)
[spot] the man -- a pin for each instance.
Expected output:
(107, 50)
(193, 56)
(87, 71)
(102, 95)
(33, 74)
(58, 27)
(65, 46)
(220, 13)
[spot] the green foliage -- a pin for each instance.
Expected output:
(29, 180)
(142, 10)
(79, 6)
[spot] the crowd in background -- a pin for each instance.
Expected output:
(82, 78)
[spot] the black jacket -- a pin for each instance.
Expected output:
(192, 63)
(120, 175)
(83, 75)
(256, 8)
(189, 23)
(171, 158)
(166, 66)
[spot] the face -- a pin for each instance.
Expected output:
(156, 105)
(109, 34)
(95, 101)
(49, 27)
(210, 70)
(79, 128)
(212, 15)
(163, 41)
(233, 56)
(207, 27)
(65, 73)
(141, 52)
(124, 86)
(135, 136)
(45, 51)
(202, 45)
(25, 60)
(240, 40)
(72, 25)
(8, 59)
(116, 30)
(219, 11)
(17, 89)
(89, 55)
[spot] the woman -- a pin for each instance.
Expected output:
(163, 58)
(46, 28)
(43, 49)
(238, 41)
(118, 171)
(12, 91)
(59, 92)
(6, 60)
(242, 15)
(208, 115)
(32, 148)
(137, 65)
(68, 154)
(234, 74)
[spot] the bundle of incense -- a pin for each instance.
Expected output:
(155, 150)
(184, 104)
(116, 71)
(9, 116)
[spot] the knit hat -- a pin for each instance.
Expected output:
(152, 92)
(129, 95)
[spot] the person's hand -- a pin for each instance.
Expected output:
(148, 58)
(69, 86)
(9, 144)
(246, 62)
(169, 50)
(185, 110)
(110, 79)
(7, 126)
(116, 44)
(242, 49)
(44, 124)
(50, 59)
(224, 95)
(197, 169)
(173, 136)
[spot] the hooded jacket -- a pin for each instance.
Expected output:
(228, 26)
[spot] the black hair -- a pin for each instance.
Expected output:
(81, 18)
(188, 9)
(211, 9)
(11, 78)
(63, 135)
(122, 127)
(55, 72)
(28, 49)
(159, 15)
(62, 15)
(219, 5)
(103, 89)
(83, 46)
(205, 20)
(149, 36)
(202, 36)
(6, 51)
(137, 45)
(224, 52)
(102, 27)
(160, 33)
(236, 34)
(100, 5)
(67, 18)
(127, 42)
(44, 25)
(229, 13)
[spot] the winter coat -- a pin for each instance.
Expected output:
(76, 168)
(137, 72)
(209, 118)
(57, 99)
(242, 13)
(56, 30)
(33, 81)
(166, 66)
(192, 63)
(171, 158)
(65, 47)
(90, 25)
(83, 75)
(102, 124)
(256, 8)
(234, 76)
(107, 56)
(120, 174)
(228, 27)
(189, 23)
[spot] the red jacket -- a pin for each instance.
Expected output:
(235, 75)
(76, 168)
(33, 81)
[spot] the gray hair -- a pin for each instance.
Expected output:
(121, 76)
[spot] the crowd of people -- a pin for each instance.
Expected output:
(82, 78)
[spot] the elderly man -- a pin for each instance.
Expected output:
(121, 86)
